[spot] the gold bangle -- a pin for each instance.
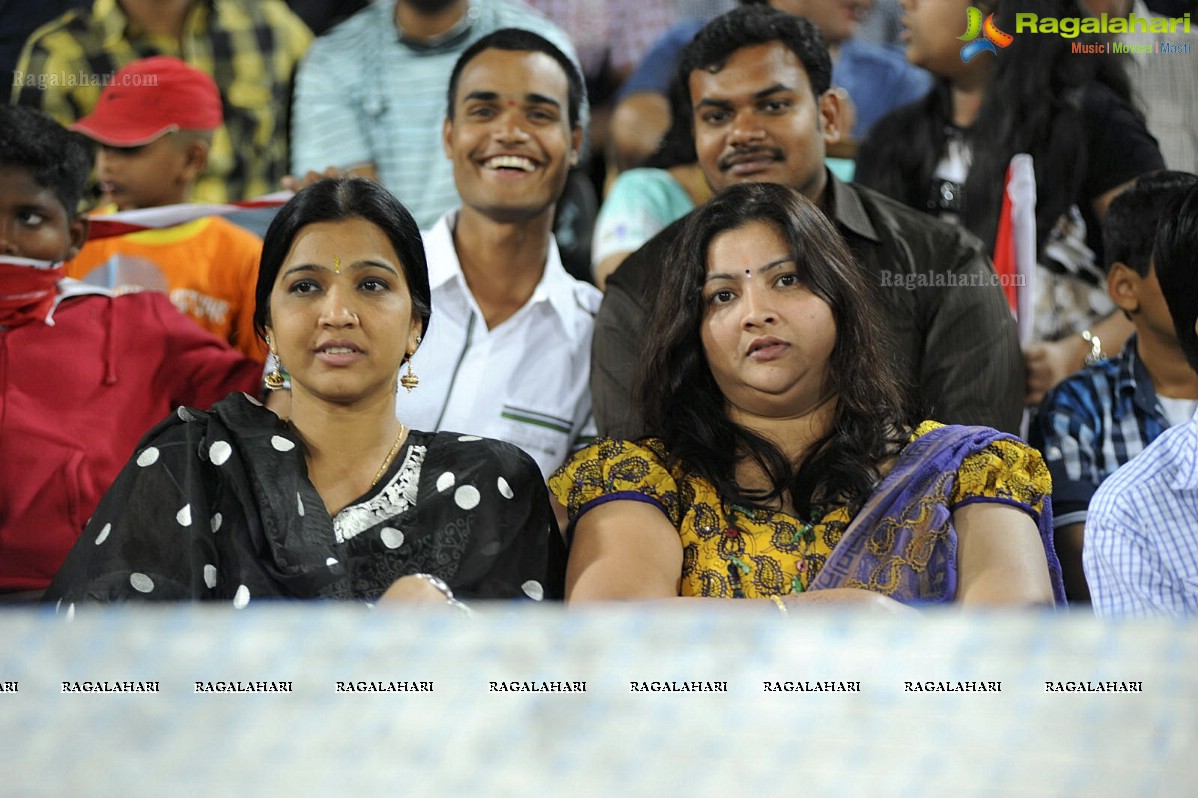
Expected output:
(1095, 343)
(780, 604)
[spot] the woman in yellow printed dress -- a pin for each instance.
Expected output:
(789, 463)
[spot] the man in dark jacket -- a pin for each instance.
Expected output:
(758, 83)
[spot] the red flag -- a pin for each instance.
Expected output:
(1005, 264)
(1015, 244)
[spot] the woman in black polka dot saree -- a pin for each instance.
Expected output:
(340, 499)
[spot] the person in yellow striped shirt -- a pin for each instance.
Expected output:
(250, 48)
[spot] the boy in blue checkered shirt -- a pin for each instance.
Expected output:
(1141, 554)
(1104, 415)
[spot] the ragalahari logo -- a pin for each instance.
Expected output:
(991, 35)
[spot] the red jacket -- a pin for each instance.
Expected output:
(75, 398)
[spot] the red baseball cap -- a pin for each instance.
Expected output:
(149, 98)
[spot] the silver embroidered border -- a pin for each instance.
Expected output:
(392, 501)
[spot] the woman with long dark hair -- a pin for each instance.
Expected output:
(789, 463)
(340, 499)
(1029, 93)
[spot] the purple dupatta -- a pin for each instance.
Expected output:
(902, 542)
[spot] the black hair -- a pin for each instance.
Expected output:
(747, 26)
(1175, 256)
(1132, 218)
(522, 41)
(334, 201)
(54, 157)
(1033, 104)
(677, 146)
(681, 401)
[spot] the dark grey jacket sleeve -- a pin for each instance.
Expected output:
(622, 333)
(972, 370)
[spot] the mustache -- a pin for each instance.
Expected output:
(751, 154)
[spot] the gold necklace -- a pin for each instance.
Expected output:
(390, 455)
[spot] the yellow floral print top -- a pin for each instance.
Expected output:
(731, 551)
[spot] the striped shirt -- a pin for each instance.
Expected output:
(1141, 552)
(364, 96)
(250, 49)
(610, 33)
(1093, 423)
(1167, 90)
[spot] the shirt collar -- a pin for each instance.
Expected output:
(556, 286)
(69, 288)
(438, 242)
(847, 209)
(1186, 477)
(444, 42)
(1133, 384)
(113, 21)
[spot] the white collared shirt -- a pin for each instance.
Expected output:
(527, 381)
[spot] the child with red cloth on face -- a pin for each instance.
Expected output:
(154, 125)
(83, 374)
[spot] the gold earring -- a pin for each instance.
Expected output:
(409, 380)
(274, 378)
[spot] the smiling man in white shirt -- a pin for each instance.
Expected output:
(507, 353)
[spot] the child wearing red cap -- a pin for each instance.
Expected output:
(154, 125)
